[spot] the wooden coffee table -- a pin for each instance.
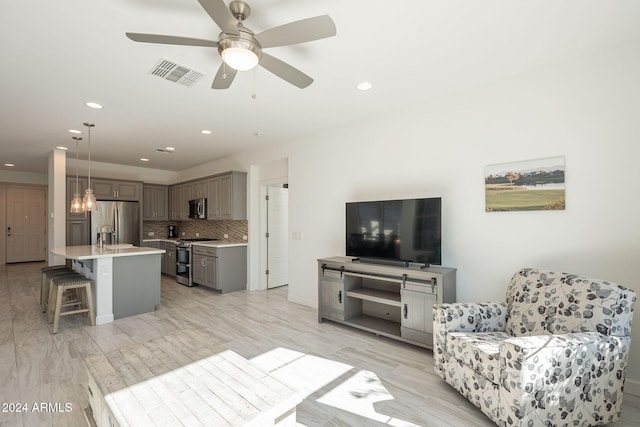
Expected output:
(182, 379)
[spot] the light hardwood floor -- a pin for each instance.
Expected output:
(348, 377)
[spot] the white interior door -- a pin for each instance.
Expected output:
(26, 224)
(277, 237)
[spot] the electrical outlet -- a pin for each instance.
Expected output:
(226, 236)
(183, 234)
(244, 237)
(197, 234)
(151, 233)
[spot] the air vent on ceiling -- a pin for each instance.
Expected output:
(164, 150)
(173, 72)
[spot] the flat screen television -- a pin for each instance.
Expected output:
(395, 231)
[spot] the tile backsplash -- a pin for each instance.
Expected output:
(214, 229)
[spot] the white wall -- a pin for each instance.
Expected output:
(57, 205)
(16, 177)
(113, 171)
(586, 110)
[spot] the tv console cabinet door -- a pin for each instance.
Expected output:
(417, 315)
(332, 298)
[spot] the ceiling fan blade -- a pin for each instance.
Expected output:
(161, 39)
(221, 15)
(285, 71)
(224, 77)
(302, 31)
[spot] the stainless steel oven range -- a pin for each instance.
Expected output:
(184, 256)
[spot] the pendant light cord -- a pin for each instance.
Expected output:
(77, 161)
(89, 126)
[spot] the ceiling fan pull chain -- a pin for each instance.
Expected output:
(253, 95)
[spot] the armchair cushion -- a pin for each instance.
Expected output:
(550, 379)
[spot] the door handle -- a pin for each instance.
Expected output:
(405, 311)
(340, 297)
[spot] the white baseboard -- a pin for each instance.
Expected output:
(632, 387)
(302, 301)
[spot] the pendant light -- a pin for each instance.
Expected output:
(89, 200)
(76, 202)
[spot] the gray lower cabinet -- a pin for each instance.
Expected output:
(169, 258)
(221, 268)
(396, 302)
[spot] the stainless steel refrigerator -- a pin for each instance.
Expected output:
(119, 220)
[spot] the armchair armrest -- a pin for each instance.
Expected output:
(467, 317)
(470, 317)
(546, 378)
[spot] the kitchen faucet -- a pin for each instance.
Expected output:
(103, 233)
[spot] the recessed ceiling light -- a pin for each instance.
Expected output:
(93, 105)
(9, 165)
(365, 85)
(170, 148)
(62, 147)
(205, 132)
(144, 159)
(74, 131)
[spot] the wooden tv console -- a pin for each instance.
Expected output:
(395, 302)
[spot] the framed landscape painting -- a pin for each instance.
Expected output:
(529, 185)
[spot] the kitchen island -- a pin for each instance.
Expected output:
(126, 279)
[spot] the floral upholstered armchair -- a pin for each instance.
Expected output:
(554, 354)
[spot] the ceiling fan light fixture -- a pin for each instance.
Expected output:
(239, 53)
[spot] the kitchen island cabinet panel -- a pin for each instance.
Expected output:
(135, 285)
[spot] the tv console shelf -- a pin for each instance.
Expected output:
(392, 301)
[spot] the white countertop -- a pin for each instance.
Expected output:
(218, 244)
(93, 252)
(211, 244)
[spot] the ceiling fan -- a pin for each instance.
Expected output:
(241, 49)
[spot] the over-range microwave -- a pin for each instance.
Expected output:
(198, 208)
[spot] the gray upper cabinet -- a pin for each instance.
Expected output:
(155, 203)
(227, 196)
(116, 190)
(199, 189)
(179, 196)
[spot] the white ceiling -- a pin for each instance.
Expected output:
(56, 55)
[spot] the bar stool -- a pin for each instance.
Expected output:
(47, 273)
(83, 304)
(52, 292)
